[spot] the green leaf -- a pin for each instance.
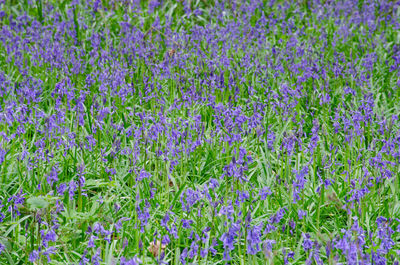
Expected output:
(37, 203)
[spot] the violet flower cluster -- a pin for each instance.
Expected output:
(199, 132)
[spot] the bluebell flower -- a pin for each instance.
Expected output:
(307, 243)
(186, 223)
(183, 256)
(264, 192)
(72, 189)
(17, 200)
(165, 240)
(33, 256)
(61, 189)
(48, 251)
(96, 257)
(267, 247)
(52, 177)
(2, 248)
(91, 243)
(254, 239)
(301, 214)
(134, 261)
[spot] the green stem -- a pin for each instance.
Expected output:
(320, 202)
(80, 199)
(78, 39)
(39, 9)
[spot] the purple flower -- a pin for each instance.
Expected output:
(48, 251)
(2, 216)
(194, 247)
(91, 243)
(228, 240)
(165, 220)
(270, 139)
(213, 183)
(134, 261)
(203, 252)
(165, 240)
(267, 247)
(2, 248)
(183, 256)
(50, 236)
(81, 174)
(329, 248)
(307, 243)
(264, 192)
(153, 4)
(61, 189)
(315, 137)
(254, 239)
(276, 218)
(143, 214)
(17, 199)
(290, 255)
(71, 190)
(301, 214)
(126, 242)
(384, 233)
(52, 177)
(299, 183)
(143, 175)
(84, 260)
(2, 155)
(59, 206)
(118, 225)
(189, 198)
(186, 223)
(34, 256)
(96, 257)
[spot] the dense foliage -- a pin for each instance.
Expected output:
(199, 132)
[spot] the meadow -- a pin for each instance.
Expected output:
(199, 132)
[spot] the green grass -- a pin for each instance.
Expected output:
(181, 91)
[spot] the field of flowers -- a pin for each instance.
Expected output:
(199, 132)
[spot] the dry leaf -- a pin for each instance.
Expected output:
(155, 248)
(172, 186)
(171, 52)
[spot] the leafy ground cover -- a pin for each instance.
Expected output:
(199, 132)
